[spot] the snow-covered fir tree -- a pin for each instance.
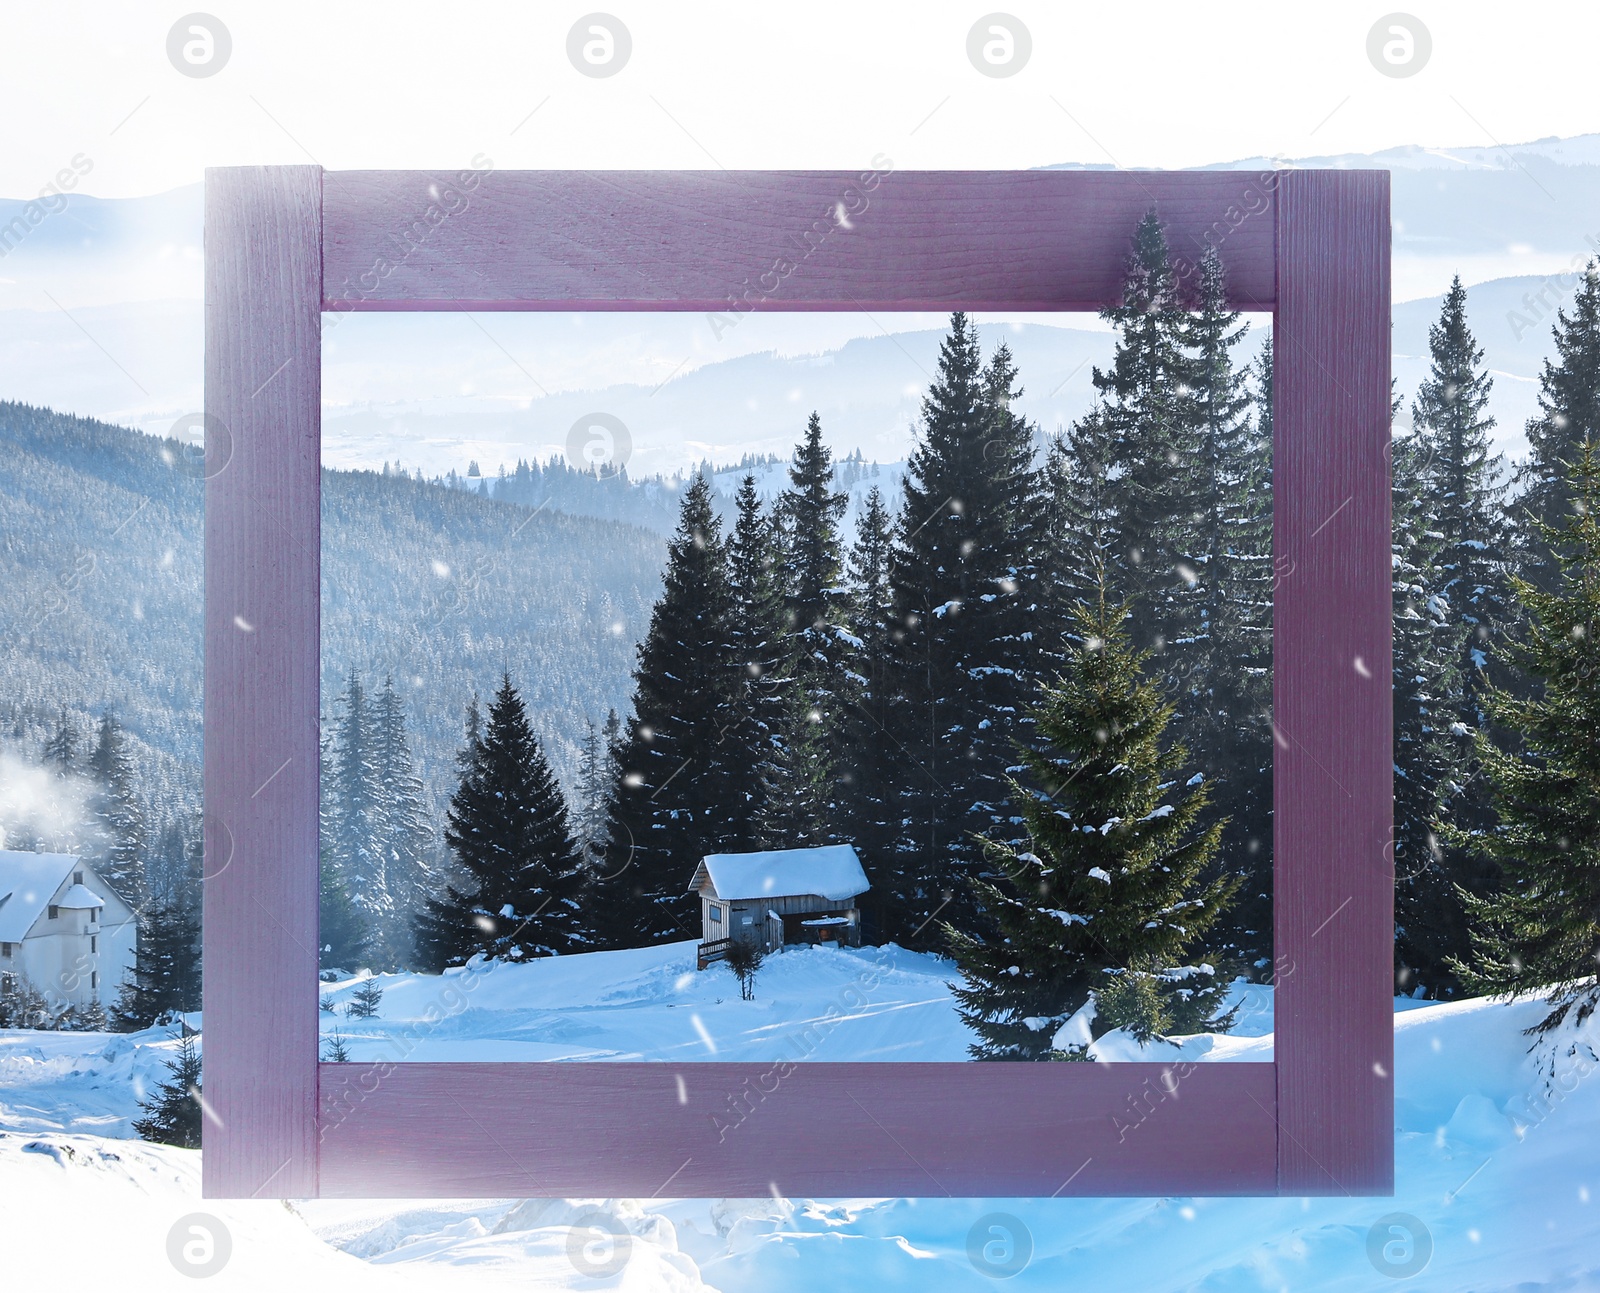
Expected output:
(378, 837)
(1105, 898)
(1080, 519)
(354, 819)
(595, 779)
(1148, 424)
(1452, 606)
(120, 860)
(516, 892)
(869, 766)
(339, 934)
(1540, 936)
(1568, 418)
(680, 773)
(1462, 483)
(962, 652)
(1430, 923)
(405, 831)
(1220, 676)
(61, 747)
(800, 798)
(165, 978)
(797, 778)
(759, 636)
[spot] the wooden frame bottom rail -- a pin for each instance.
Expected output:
(430, 1130)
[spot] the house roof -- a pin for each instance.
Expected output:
(832, 871)
(27, 883)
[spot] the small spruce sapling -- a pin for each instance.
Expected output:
(172, 1113)
(744, 959)
(365, 1001)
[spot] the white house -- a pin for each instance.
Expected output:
(777, 897)
(63, 929)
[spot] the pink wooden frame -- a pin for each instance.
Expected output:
(284, 244)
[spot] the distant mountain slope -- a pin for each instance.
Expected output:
(100, 596)
(444, 588)
(440, 392)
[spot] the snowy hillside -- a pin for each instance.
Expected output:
(1497, 1181)
(100, 575)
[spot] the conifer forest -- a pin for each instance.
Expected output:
(1028, 677)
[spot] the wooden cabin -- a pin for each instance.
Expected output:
(777, 897)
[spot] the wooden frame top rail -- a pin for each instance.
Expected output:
(285, 245)
(793, 240)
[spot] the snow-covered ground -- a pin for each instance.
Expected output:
(811, 1003)
(1497, 1156)
(651, 1004)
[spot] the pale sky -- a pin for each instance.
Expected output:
(358, 83)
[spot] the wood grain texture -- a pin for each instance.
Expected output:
(262, 554)
(419, 1130)
(732, 241)
(1332, 701)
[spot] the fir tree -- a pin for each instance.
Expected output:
(365, 1000)
(680, 772)
(165, 979)
(811, 509)
(116, 807)
(745, 959)
(1081, 526)
(440, 936)
(1461, 481)
(405, 832)
(1147, 423)
(594, 793)
(61, 746)
(1220, 675)
(508, 828)
(758, 632)
(90, 1017)
(339, 934)
(1429, 921)
(1451, 603)
(818, 690)
(22, 1005)
(962, 638)
(869, 763)
(172, 1113)
(1541, 936)
(797, 778)
(1109, 882)
(354, 849)
(1569, 418)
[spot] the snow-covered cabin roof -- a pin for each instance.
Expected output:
(832, 872)
(27, 883)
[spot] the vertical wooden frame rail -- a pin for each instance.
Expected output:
(284, 244)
